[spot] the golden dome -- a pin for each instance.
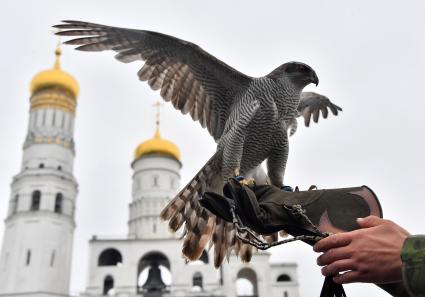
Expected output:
(157, 145)
(54, 77)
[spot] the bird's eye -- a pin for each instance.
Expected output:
(297, 69)
(303, 69)
(292, 68)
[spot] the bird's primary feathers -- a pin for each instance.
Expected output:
(248, 118)
(311, 104)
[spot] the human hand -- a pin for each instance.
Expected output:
(370, 254)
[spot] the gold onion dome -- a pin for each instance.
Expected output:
(157, 145)
(54, 77)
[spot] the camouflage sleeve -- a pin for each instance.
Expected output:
(413, 258)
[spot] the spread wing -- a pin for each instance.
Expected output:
(311, 104)
(193, 80)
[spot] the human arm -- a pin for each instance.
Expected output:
(372, 254)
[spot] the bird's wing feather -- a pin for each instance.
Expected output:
(193, 80)
(311, 104)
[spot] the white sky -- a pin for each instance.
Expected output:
(369, 56)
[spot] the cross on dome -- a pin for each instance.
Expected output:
(157, 105)
(157, 145)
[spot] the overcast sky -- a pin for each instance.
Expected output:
(369, 56)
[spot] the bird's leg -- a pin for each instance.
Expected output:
(233, 138)
(231, 143)
(275, 170)
(234, 159)
(276, 161)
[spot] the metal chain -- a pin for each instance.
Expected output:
(246, 235)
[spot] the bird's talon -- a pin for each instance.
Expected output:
(312, 187)
(287, 188)
(245, 181)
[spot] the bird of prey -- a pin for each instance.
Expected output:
(248, 117)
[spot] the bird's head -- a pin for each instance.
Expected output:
(298, 73)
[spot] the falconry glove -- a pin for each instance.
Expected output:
(306, 215)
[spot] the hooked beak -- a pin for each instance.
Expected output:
(314, 79)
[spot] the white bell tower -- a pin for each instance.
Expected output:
(156, 180)
(35, 258)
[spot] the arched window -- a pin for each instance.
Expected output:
(63, 121)
(35, 200)
(35, 119)
(197, 282)
(153, 272)
(53, 118)
(58, 203)
(283, 278)
(44, 118)
(246, 283)
(109, 257)
(15, 204)
(28, 258)
(41, 165)
(155, 181)
(59, 168)
(108, 285)
(52, 258)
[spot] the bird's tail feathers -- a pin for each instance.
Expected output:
(194, 189)
(185, 209)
